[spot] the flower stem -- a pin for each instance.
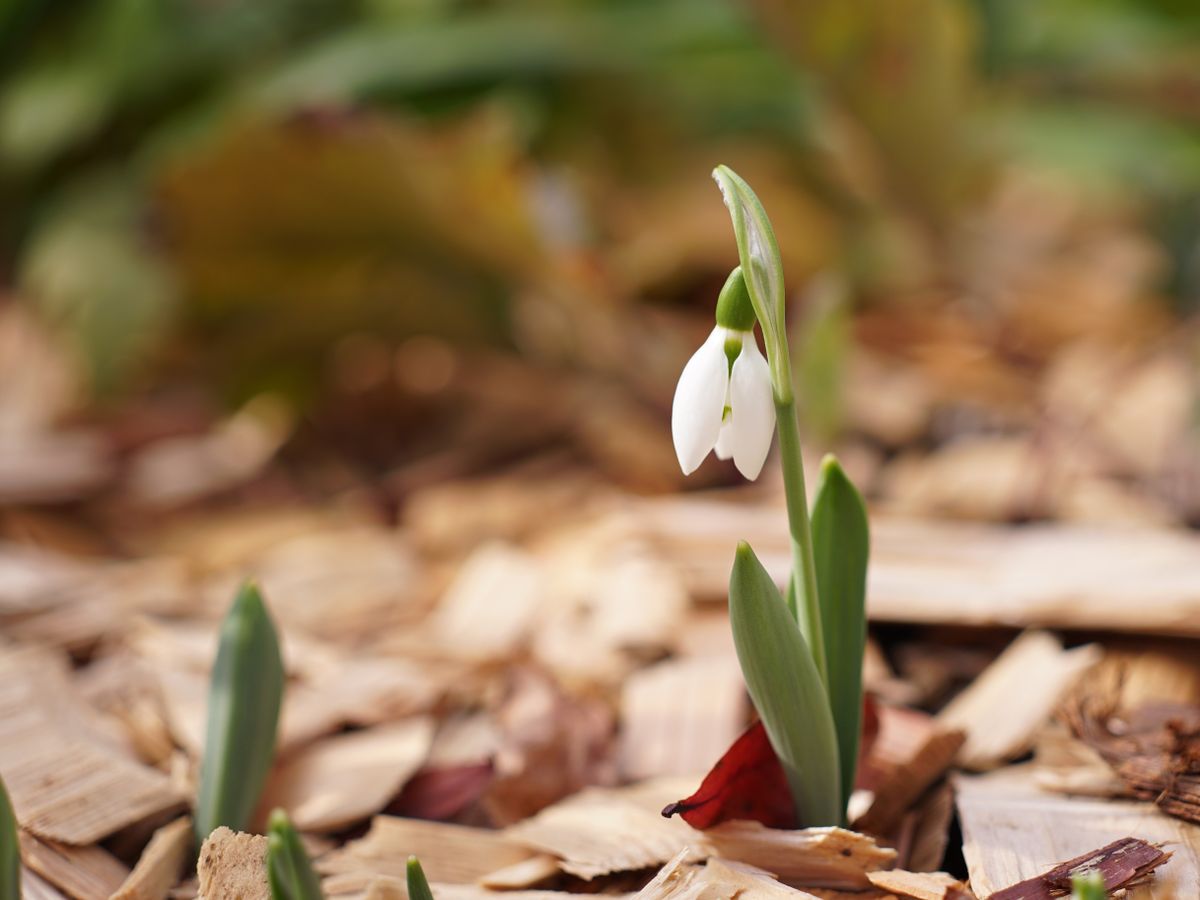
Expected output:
(804, 570)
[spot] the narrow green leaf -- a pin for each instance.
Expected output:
(418, 886)
(243, 710)
(1088, 886)
(289, 871)
(10, 850)
(786, 689)
(841, 545)
(758, 252)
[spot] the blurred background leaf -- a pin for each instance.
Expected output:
(223, 192)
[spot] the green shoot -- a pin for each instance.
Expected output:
(289, 872)
(244, 698)
(418, 886)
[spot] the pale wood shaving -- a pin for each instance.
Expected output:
(717, 879)
(32, 579)
(828, 857)
(1141, 580)
(1012, 831)
(918, 885)
(523, 874)
(386, 887)
(34, 887)
(344, 779)
(490, 609)
(453, 854)
(233, 866)
(599, 831)
(674, 880)
(678, 717)
(84, 873)
(157, 871)
(1002, 710)
(1067, 765)
(67, 783)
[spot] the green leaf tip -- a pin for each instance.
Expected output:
(289, 872)
(10, 849)
(762, 269)
(787, 690)
(245, 696)
(841, 546)
(418, 885)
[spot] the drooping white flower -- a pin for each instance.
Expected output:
(729, 409)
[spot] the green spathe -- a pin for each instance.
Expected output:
(418, 885)
(244, 698)
(786, 689)
(10, 850)
(841, 544)
(762, 269)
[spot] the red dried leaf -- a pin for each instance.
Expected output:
(442, 793)
(746, 783)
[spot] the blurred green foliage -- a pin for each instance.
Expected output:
(235, 185)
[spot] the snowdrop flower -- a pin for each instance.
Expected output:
(723, 401)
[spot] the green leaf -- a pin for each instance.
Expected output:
(289, 871)
(786, 689)
(10, 850)
(243, 711)
(1088, 886)
(841, 545)
(762, 267)
(418, 886)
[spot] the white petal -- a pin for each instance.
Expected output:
(724, 446)
(700, 402)
(752, 410)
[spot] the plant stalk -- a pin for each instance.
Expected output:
(804, 569)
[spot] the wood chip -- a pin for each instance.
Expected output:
(1002, 710)
(157, 871)
(34, 887)
(818, 857)
(919, 885)
(678, 717)
(906, 782)
(523, 874)
(923, 846)
(233, 866)
(85, 873)
(341, 780)
(1013, 832)
(717, 879)
(451, 854)
(1049, 576)
(489, 610)
(600, 831)
(388, 888)
(66, 783)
